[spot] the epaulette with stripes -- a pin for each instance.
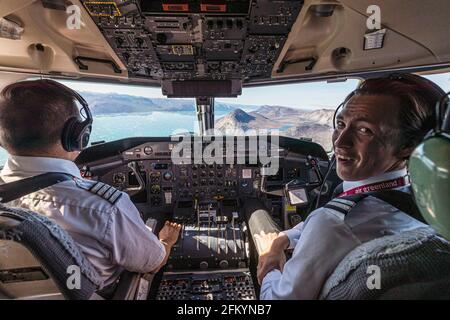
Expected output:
(345, 204)
(101, 189)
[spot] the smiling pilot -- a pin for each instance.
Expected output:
(380, 124)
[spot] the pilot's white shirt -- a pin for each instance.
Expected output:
(325, 238)
(112, 236)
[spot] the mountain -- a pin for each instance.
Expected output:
(277, 111)
(322, 116)
(315, 124)
(319, 133)
(239, 120)
(110, 103)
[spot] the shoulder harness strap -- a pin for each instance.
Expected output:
(17, 189)
(101, 189)
(403, 201)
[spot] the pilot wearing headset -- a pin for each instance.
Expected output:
(43, 131)
(377, 129)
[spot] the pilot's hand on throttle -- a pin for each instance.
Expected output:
(273, 257)
(169, 233)
(264, 240)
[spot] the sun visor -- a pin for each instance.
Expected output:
(202, 88)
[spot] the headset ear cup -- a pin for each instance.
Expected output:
(67, 138)
(84, 137)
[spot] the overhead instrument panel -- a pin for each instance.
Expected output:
(226, 42)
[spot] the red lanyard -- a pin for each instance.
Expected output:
(376, 186)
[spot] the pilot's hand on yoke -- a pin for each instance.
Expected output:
(272, 256)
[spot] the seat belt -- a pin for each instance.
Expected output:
(17, 189)
(403, 201)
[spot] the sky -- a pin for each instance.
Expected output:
(313, 95)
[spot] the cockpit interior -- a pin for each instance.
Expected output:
(215, 186)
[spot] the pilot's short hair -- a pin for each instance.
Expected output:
(418, 97)
(33, 114)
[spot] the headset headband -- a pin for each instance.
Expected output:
(84, 105)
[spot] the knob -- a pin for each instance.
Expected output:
(223, 264)
(203, 265)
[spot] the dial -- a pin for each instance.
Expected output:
(155, 176)
(118, 178)
(168, 176)
(148, 150)
(155, 189)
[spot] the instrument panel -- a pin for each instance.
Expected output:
(148, 173)
(161, 182)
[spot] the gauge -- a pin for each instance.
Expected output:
(148, 150)
(118, 178)
(167, 176)
(155, 176)
(155, 189)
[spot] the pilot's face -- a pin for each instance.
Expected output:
(364, 137)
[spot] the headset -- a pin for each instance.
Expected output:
(76, 131)
(442, 117)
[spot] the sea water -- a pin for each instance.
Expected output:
(118, 126)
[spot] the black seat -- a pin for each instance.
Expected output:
(37, 259)
(413, 265)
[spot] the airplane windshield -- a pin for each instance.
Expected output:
(294, 110)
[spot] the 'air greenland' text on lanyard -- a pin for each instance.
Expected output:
(377, 186)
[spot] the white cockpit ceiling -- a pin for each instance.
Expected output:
(417, 34)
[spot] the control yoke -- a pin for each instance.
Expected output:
(135, 168)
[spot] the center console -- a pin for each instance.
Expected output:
(211, 259)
